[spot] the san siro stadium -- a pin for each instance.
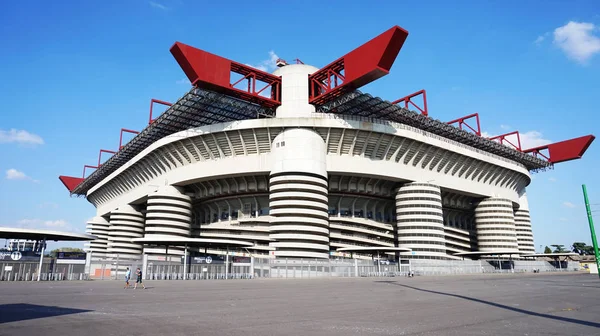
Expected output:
(299, 167)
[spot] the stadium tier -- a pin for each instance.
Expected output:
(299, 164)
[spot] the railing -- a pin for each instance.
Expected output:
(9, 276)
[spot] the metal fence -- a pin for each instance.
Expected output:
(173, 269)
(51, 271)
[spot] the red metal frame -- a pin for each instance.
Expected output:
(567, 150)
(503, 138)
(213, 72)
(359, 67)
(70, 182)
(462, 121)
(104, 151)
(152, 101)
(121, 136)
(88, 166)
(408, 100)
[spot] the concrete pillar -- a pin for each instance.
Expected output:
(495, 225)
(298, 195)
(420, 220)
(523, 226)
(168, 214)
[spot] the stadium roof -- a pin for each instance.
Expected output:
(196, 108)
(201, 107)
(365, 105)
(29, 234)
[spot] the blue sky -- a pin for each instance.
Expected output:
(74, 73)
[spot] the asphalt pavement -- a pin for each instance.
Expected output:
(491, 304)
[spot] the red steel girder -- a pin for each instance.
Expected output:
(104, 151)
(462, 121)
(504, 138)
(357, 68)
(88, 166)
(406, 100)
(562, 151)
(213, 72)
(70, 182)
(152, 101)
(121, 136)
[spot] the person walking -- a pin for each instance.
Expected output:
(138, 279)
(127, 277)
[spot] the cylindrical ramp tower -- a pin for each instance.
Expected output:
(126, 223)
(169, 214)
(495, 225)
(420, 220)
(523, 226)
(99, 227)
(298, 195)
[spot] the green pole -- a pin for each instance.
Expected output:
(592, 231)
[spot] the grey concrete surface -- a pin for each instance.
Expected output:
(493, 304)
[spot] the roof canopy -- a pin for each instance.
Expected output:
(196, 108)
(365, 105)
(29, 234)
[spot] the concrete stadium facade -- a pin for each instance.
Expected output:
(304, 184)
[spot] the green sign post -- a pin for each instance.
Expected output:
(592, 231)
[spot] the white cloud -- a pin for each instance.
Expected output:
(13, 174)
(183, 81)
(533, 139)
(577, 40)
(563, 219)
(267, 65)
(43, 224)
(528, 139)
(552, 179)
(157, 5)
(539, 39)
(21, 137)
(569, 205)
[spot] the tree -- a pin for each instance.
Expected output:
(558, 248)
(547, 250)
(583, 248)
(54, 253)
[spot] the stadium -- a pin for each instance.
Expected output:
(299, 164)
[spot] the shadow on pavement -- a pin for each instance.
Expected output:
(23, 311)
(498, 305)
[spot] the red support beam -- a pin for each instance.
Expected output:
(104, 151)
(152, 102)
(504, 138)
(463, 122)
(121, 136)
(70, 182)
(88, 166)
(359, 67)
(406, 100)
(213, 72)
(563, 151)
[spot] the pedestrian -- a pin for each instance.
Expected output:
(127, 277)
(138, 280)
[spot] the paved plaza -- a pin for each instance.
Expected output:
(495, 304)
